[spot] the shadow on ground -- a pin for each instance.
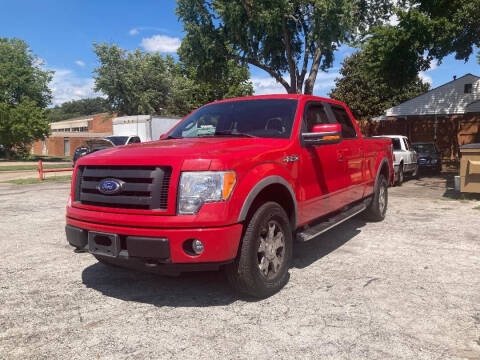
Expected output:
(201, 289)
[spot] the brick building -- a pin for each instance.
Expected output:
(66, 136)
(448, 115)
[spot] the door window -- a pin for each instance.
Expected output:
(341, 116)
(315, 115)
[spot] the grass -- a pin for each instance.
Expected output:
(476, 208)
(37, 180)
(35, 158)
(32, 167)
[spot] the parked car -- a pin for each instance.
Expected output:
(231, 186)
(93, 145)
(404, 157)
(123, 140)
(429, 157)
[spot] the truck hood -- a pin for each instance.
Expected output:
(186, 150)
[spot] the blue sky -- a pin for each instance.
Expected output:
(62, 33)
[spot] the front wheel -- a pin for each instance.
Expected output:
(415, 172)
(378, 206)
(265, 253)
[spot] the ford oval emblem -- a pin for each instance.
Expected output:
(110, 186)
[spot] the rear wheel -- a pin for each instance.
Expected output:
(261, 266)
(378, 206)
(401, 175)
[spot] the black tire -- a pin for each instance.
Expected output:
(244, 273)
(401, 175)
(376, 210)
(415, 172)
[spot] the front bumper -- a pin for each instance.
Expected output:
(220, 243)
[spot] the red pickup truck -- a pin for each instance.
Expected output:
(231, 186)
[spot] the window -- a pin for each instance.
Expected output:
(66, 146)
(396, 144)
(315, 115)
(266, 118)
(348, 130)
(467, 89)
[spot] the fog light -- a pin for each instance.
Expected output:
(197, 246)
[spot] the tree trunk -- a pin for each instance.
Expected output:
(310, 82)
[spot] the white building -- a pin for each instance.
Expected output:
(459, 96)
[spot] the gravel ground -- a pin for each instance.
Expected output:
(405, 288)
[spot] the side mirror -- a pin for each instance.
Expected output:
(323, 134)
(163, 136)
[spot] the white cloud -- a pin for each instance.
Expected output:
(325, 81)
(267, 85)
(161, 43)
(433, 65)
(134, 31)
(425, 77)
(80, 63)
(67, 86)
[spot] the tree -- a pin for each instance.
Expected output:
(426, 30)
(365, 91)
(76, 108)
(134, 82)
(24, 93)
(22, 124)
(294, 37)
(143, 83)
(189, 90)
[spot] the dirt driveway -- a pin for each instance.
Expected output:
(406, 288)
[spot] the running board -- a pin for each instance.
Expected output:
(313, 231)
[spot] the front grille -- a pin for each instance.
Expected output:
(144, 187)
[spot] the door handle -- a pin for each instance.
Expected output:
(340, 155)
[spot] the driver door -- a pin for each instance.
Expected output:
(321, 173)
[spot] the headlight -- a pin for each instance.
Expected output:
(199, 187)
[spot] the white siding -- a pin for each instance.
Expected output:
(444, 100)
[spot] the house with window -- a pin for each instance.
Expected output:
(448, 115)
(67, 135)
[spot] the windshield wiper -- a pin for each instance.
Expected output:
(229, 133)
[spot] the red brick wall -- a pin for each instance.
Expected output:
(55, 146)
(101, 123)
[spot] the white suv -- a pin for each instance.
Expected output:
(405, 158)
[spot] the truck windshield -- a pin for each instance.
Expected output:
(118, 140)
(425, 148)
(266, 118)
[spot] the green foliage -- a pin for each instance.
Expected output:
(22, 124)
(77, 108)
(426, 30)
(24, 93)
(366, 93)
(21, 75)
(134, 82)
(278, 36)
(143, 83)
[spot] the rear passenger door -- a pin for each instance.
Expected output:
(351, 154)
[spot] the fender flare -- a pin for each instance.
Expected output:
(383, 162)
(274, 179)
